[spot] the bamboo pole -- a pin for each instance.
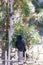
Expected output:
(5, 57)
(8, 31)
(10, 10)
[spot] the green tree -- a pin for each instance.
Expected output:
(3, 19)
(27, 33)
(22, 27)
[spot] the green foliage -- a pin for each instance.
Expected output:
(29, 34)
(3, 12)
(5, 36)
(23, 6)
(41, 5)
(31, 21)
(34, 35)
(40, 18)
(25, 10)
(3, 22)
(15, 6)
(37, 5)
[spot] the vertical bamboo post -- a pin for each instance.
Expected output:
(38, 54)
(32, 57)
(10, 10)
(5, 57)
(25, 56)
(8, 31)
